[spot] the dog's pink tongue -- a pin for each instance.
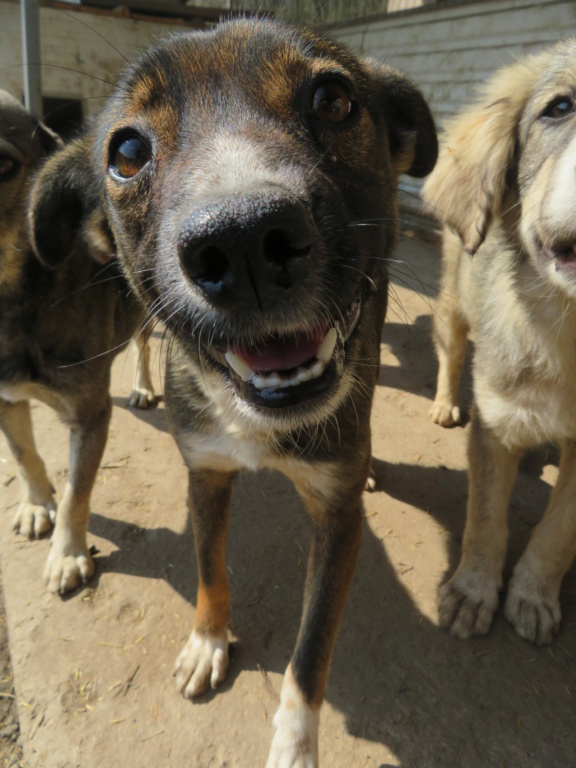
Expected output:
(281, 354)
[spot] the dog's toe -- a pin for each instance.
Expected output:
(34, 520)
(203, 662)
(445, 413)
(64, 572)
(142, 399)
(533, 606)
(466, 606)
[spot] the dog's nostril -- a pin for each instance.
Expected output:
(208, 265)
(279, 247)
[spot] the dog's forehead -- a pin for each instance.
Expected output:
(556, 78)
(558, 73)
(247, 60)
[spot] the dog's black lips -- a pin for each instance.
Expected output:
(276, 397)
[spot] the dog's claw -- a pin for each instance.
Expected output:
(65, 572)
(466, 606)
(203, 662)
(532, 607)
(142, 399)
(446, 414)
(34, 520)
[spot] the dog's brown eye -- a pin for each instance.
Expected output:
(559, 107)
(331, 102)
(7, 164)
(130, 157)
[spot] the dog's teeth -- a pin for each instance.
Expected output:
(326, 349)
(301, 375)
(317, 369)
(240, 366)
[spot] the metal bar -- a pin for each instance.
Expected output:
(32, 76)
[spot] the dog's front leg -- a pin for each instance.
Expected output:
(142, 395)
(204, 659)
(69, 561)
(468, 600)
(335, 546)
(533, 600)
(37, 508)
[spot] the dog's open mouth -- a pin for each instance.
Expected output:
(284, 370)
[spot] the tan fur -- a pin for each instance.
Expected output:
(467, 187)
(506, 184)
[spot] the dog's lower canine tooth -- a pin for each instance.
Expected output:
(240, 366)
(327, 347)
(317, 369)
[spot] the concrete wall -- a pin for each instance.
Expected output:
(78, 51)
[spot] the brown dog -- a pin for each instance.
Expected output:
(506, 183)
(249, 175)
(60, 328)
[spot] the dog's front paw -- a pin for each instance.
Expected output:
(67, 567)
(34, 520)
(142, 398)
(467, 603)
(295, 743)
(532, 604)
(445, 413)
(203, 662)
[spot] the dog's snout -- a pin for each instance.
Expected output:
(247, 250)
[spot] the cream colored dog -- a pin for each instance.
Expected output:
(506, 184)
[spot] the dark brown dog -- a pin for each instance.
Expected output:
(60, 329)
(249, 175)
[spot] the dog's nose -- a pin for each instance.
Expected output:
(248, 250)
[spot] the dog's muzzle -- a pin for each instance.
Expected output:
(251, 253)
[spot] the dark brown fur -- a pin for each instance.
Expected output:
(255, 214)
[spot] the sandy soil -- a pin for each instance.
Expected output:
(93, 672)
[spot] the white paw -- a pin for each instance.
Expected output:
(67, 567)
(203, 662)
(295, 743)
(142, 398)
(467, 602)
(532, 604)
(371, 481)
(34, 520)
(292, 746)
(445, 413)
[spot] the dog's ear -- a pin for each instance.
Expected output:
(411, 130)
(48, 140)
(65, 212)
(466, 189)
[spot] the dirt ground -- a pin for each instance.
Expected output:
(92, 673)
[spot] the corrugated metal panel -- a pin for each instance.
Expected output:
(449, 52)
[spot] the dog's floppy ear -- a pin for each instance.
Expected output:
(65, 212)
(411, 130)
(466, 189)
